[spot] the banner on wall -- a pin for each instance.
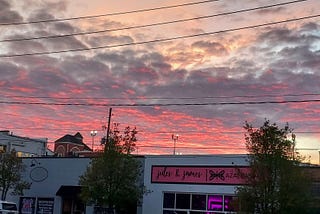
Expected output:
(224, 175)
(45, 205)
(34, 205)
(27, 205)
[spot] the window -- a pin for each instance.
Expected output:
(198, 202)
(230, 203)
(168, 200)
(215, 202)
(184, 203)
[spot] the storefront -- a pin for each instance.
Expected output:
(192, 184)
(55, 186)
(183, 184)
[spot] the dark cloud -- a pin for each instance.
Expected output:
(23, 47)
(4, 5)
(63, 28)
(272, 11)
(80, 69)
(48, 79)
(310, 27)
(279, 35)
(285, 36)
(9, 71)
(8, 15)
(211, 48)
(65, 43)
(40, 14)
(98, 41)
(44, 10)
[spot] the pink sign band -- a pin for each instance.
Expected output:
(199, 174)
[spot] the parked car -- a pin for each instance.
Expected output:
(7, 207)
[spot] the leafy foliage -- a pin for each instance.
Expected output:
(11, 170)
(276, 182)
(112, 179)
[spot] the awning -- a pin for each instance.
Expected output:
(69, 191)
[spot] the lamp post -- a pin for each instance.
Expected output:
(175, 139)
(93, 134)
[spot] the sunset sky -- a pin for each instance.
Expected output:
(199, 69)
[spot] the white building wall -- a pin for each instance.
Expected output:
(25, 146)
(47, 174)
(153, 200)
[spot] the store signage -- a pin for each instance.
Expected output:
(35, 205)
(45, 205)
(199, 174)
(27, 205)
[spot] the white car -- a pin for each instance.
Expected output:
(7, 207)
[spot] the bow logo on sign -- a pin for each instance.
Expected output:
(214, 175)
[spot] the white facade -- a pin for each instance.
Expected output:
(153, 200)
(49, 174)
(25, 147)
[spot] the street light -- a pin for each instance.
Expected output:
(93, 133)
(175, 139)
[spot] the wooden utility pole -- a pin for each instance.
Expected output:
(108, 127)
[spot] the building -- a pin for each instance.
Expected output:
(184, 184)
(55, 185)
(24, 146)
(192, 183)
(70, 145)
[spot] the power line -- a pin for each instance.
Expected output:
(165, 98)
(152, 24)
(161, 104)
(163, 39)
(109, 14)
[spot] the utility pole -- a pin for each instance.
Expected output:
(108, 127)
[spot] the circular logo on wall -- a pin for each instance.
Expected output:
(38, 174)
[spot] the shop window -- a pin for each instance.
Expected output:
(168, 200)
(198, 202)
(230, 203)
(188, 203)
(215, 202)
(183, 201)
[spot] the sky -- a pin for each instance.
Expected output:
(197, 69)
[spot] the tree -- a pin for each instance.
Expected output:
(112, 180)
(129, 140)
(276, 183)
(11, 170)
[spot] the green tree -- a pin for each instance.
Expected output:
(112, 180)
(276, 183)
(11, 170)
